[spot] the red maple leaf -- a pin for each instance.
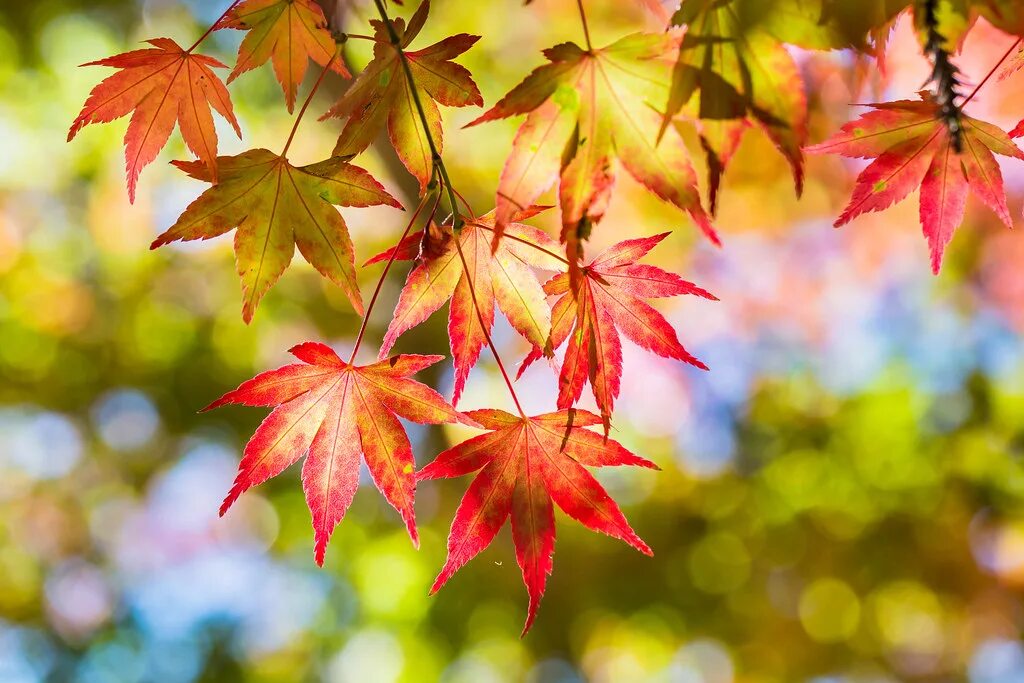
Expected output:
(911, 146)
(500, 275)
(525, 463)
(608, 300)
(335, 412)
(160, 85)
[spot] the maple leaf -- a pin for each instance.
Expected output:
(160, 86)
(911, 146)
(382, 93)
(525, 463)
(288, 32)
(500, 275)
(335, 413)
(276, 207)
(607, 301)
(734, 74)
(585, 109)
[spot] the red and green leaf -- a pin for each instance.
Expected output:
(525, 464)
(276, 207)
(731, 74)
(587, 112)
(382, 95)
(335, 413)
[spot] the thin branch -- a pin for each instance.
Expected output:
(309, 98)
(944, 74)
(483, 328)
(213, 26)
(998, 64)
(465, 202)
(586, 28)
(435, 155)
(384, 274)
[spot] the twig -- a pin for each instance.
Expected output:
(384, 274)
(435, 155)
(309, 98)
(213, 26)
(528, 243)
(944, 74)
(586, 28)
(998, 64)
(446, 181)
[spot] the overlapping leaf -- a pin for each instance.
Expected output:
(911, 147)
(585, 110)
(524, 464)
(288, 33)
(731, 74)
(334, 413)
(609, 300)
(501, 275)
(1006, 15)
(954, 18)
(381, 94)
(275, 207)
(821, 24)
(160, 86)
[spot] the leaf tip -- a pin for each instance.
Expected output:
(215, 404)
(229, 500)
(410, 526)
(440, 581)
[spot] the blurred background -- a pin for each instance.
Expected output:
(842, 497)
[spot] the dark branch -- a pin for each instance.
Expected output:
(945, 75)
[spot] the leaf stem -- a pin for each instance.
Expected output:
(586, 28)
(384, 274)
(998, 64)
(528, 243)
(309, 98)
(439, 167)
(213, 26)
(483, 328)
(465, 203)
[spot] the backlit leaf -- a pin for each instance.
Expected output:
(160, 86)
(525, 464)
(276, 207)
(911, 147)
(335, 413)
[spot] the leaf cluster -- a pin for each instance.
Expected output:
(590, 115)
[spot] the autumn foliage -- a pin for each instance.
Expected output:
(719, 69)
